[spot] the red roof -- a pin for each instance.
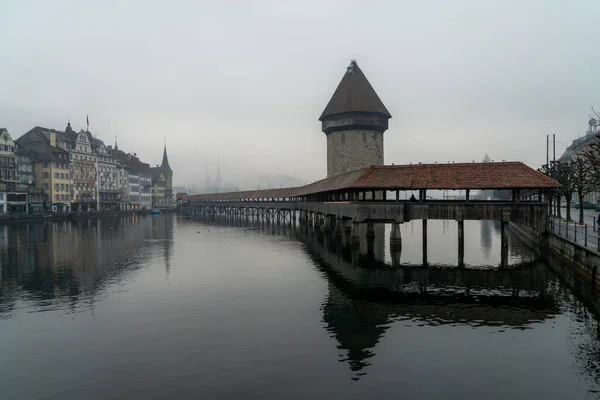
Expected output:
(478, 176)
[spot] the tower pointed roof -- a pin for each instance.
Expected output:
(354, 94)
(165, 161)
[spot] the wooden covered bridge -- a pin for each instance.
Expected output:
(372, 194)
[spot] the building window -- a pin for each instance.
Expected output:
(56, 175)
(364, 137)
(46, 175)
(66, 176)
(1, 196)
(45, 186)
(66, 187)
(62, 175)
(45, 164)
(56, 186)
(343, 138)
(57, 197)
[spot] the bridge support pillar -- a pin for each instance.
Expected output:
(370, 238)
(395, 254)
(461, 242)
(395, 237)
(327, 223)
(425, 243)
(355, 239)
(370, 230)
(348, 234)
(338, 227)
(504, 240)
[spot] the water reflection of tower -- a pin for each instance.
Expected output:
(357, 327)
(162, 230)
(168, 236)
(486, 237)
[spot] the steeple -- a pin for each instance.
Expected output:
(165, 160)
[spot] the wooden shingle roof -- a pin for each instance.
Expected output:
(461, 176)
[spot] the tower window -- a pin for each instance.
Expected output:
(364, 137)
(343, 138)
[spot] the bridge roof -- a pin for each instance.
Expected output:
(460, 176)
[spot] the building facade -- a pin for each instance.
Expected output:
(354, 121)
(109, 184)
(48, 152)
(36, 199)
(139, 180)
(577, 147)
(83, 170)
(162, 183)
(146, 188)
(65, 171)
(14, 201)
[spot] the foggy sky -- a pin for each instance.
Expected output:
(245, 81)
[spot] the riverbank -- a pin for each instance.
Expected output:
(561, 253)
(7, 219)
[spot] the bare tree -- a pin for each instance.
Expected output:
(563, 174)
(553, 194)
(584, 181)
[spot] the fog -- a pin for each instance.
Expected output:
(245, 82)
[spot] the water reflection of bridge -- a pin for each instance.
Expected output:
(365, 297)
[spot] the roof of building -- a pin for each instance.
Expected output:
(131, 161)
(461, 176)
(354, 94)
(37, 144)
(579, 144)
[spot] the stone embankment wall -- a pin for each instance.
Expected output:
(562, 253)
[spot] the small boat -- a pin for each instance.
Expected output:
(155, 211)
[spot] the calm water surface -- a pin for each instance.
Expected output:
(167, 307)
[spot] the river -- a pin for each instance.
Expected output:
(161, 307)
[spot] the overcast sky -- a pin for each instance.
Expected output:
(245, 81)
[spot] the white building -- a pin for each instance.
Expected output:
(14, 202)
(138, 180)
(82, 169)
(109, 179)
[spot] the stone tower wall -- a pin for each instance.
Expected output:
(350, 150)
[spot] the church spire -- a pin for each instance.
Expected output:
(165, 160)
